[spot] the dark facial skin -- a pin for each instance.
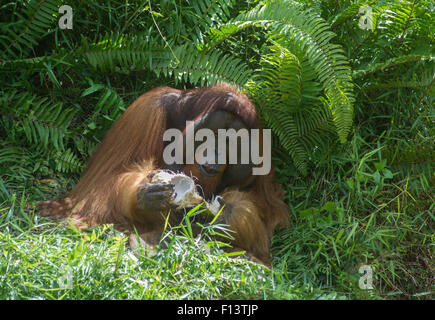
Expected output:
(233, 174)
(228, 174)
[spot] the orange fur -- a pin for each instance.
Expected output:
(133, 147)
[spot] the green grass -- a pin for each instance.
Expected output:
(366, 202)
(343, 217)
(40, 259)
(357, 212)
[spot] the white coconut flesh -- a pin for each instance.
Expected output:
(184, 188)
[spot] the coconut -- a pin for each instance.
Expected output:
(214, 205)
(185, 190)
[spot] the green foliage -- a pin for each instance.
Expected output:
(349, 12)
(364, 214)
(67, 263)
(352, 116)
(307, 32)
(204, 68)
(42, 121)
(19, 37)
(302, 34)
(288, 97)
(307, 73)
(184, 20)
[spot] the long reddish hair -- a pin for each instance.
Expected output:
(136, 141)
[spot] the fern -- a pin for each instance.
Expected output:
(349, 12)
(18, 166)
(67, 161)
(32, 64)
(202, 68)
(21, 38)
(397, 21)
(117, 53)
(207, 14)
(10, 154)
(286, 129)
(282, 79)
(182, 63)
(110, 105)
(306, 31)
(106, 111)
(42, 121)
(287, 98)
(382, 66)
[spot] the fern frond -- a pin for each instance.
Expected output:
(41, 15)
(397, 21)
(202, 68)
(282, 79)
(301, 133)
(17, 165)
(84, 146)
(117, 53)
(67, 161)
(309, 33)
(350, 12)
(183, 63)
(279, 92)
(40, 120)
(285, 127)
(16, 65)
(207, 14)
(110, 105)
(10, 154)
(391, 63)
(106, 111)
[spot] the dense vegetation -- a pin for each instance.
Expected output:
(350, 101)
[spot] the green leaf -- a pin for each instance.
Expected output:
(92, 89)
(329, 206)
(377, 177)
(388, 174)
(234, 253)
(308, 212)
